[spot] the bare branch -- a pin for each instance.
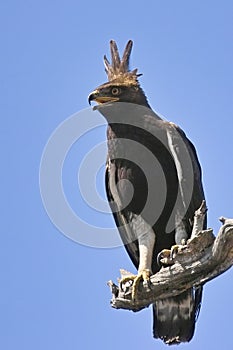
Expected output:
(202, 259)
(199, 219)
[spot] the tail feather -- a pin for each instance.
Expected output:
(174, 318)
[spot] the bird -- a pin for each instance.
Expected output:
(154, 186)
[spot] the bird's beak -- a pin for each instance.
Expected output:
(95, 96)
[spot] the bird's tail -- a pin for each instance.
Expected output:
(174, 318)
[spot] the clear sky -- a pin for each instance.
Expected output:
(53, 292)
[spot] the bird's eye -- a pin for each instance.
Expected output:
(116, 91)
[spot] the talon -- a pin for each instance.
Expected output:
(143, 275)
(164, 258)
(146, 279)
(123, 281)
(174, 250)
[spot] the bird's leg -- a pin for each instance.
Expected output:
(146, 247)
(167, 256)
(181, 235)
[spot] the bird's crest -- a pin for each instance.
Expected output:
(119, 68)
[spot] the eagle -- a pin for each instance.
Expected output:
(153, 185)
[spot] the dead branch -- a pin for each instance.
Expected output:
(202, 259)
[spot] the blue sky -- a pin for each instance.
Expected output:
(53, 291)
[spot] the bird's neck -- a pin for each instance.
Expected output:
(141, 99)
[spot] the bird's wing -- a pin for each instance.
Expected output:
(127, 235)
(188, 171)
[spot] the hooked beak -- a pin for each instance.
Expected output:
(95, 96)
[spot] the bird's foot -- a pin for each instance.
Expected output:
(175, 249)
(167, 256)
(164, 258)
(143, 275)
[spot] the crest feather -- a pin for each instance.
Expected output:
(119, 68)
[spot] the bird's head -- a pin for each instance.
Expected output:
(123, 85)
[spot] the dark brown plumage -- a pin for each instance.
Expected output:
(153, 183)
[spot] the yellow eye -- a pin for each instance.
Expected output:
(116, 91)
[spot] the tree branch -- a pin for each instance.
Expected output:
(202, 259)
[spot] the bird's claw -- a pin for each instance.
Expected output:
(143, 275)
(164, 258)
(167, 256)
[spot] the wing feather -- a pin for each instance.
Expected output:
(131, 245)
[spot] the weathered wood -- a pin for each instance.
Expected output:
(202, 259)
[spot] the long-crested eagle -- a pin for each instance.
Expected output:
(154, 187)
